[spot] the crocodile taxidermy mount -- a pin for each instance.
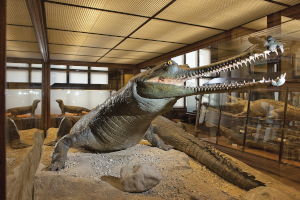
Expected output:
(125, 118)
(70, 109)
(25, 109)
(265, 109)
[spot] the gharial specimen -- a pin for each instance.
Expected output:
(125, 118)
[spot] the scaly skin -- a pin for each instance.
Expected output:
(181, 140)
(125, 118)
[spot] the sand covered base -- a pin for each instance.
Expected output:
(95, 175)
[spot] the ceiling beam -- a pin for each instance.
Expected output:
(37, 15)
(24, 60)
(292, 12)
(94, 64)
(75, 63)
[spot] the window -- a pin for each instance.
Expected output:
(36, 76)
(58, 66)
(179, 59)
(36, 65)
(79, 77)
(58, 77)
(17, 65)
(17, 75)
(99, 78)
(191, 59)
(204, 57)
(79, 67)
(99, 68)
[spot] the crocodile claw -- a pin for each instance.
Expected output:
(165, 147)
(56, 166)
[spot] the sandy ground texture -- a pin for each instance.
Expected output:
(96, 175)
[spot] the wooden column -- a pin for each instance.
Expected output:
(46, 97)
(283, 125)
(247, 120)
(2, 99)
(37, 14)
(274, 19)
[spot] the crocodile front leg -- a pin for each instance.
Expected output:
(155, 140)
(63, 145)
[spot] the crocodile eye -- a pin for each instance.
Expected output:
(161, 78)
(169, 62)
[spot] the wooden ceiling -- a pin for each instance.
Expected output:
(123, 31)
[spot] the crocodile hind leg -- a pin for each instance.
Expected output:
(65, 127)
(155, 140)
(76, 139)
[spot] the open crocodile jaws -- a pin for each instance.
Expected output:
(125, 118)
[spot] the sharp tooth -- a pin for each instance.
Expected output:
(244, 61)
(253, 80)
(282, 50)
(248, 60)
(251, 58)
(275, 50)
(267, 52)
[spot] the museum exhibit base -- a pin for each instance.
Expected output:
(91, 175)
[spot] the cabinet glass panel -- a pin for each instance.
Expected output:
(291, 132)
(264, 128)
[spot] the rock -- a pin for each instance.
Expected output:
(139, 178)
(21, 185)
(195, 196)
(266, 193)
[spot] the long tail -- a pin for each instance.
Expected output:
(181, 140)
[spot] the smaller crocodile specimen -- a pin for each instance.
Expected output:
(70, 109)
(183, 141)
(24, 110)
(266, 109)
(293, 150)
(13, 135)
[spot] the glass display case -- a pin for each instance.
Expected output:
(262, 122)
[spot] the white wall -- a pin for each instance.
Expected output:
(83, 98)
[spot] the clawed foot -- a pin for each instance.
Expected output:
(18, 145)
(56, 166)
(165, 147)
(51, 143)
